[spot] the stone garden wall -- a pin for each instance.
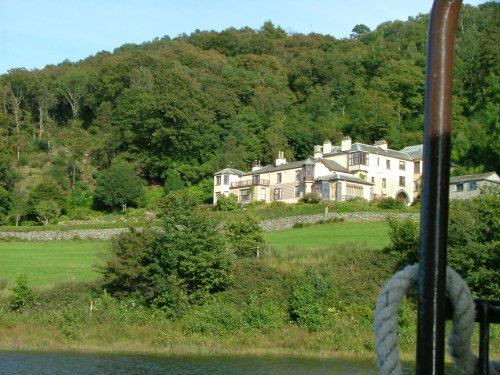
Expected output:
(267, 225)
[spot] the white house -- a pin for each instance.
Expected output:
(335, 173)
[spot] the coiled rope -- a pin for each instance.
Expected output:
(459, 340)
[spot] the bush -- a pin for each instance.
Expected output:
(310, 198)
(307, 305)
(229, 203)
(404, 237)
(22, 295)
(390, 204)
(182, 263)
(245, 235)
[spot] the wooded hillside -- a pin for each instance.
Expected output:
(180, 109)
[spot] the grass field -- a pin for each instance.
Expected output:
(372, 234)
(47, 263)
(50, 262)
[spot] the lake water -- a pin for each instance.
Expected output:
(21, 363)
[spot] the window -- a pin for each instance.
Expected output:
(354, 190)
(226, 179)
(384, 183)
(244, 195)
(416, 167)
(402, 181)
(217, 180)
(358, 158)
(318, 188)
(277, 193)
(373, 180)
(308, 170)
(387, 164)
(459, 187)
(278, 178)
(256, 179)
(415, 186)
(297, 191)
(472, 185)
(297, 175)
(402, 165)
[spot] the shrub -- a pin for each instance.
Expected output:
(182, 263)
(311, 198)
(307, 304)
(245, 234)
(404, 237)
(390, 204)
(229, 203)
(22, 295)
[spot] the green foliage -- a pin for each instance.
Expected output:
(474, 242)
(311, 198)
(308, 300)
(173, 181)
(245, 235)
(127, 270)
(118, 187)
(229, 203)
(404, 237)
(80, 196)
(182, 263)
(22, 296)
(390, 204)
(4, 204)
(47, 190)
(47, 210)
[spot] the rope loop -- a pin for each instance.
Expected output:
(459, 340)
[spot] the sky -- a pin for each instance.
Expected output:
(35, 33)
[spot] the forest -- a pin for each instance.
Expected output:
(172, 111)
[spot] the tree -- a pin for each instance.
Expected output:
(118, 187)
(47, 210)
(245, 235)
(18, 205)
(4, 204)
(46, 190)
(182, 263)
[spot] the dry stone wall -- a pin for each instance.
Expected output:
(267, 225)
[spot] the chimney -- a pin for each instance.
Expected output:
(327, 147)
(281, 158)
(382, 144)
(346, 144)
(317, 152)
(256, 165)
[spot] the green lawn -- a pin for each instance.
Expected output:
(49, 262)
(373, 234)
(46, 263)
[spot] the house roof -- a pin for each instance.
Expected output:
(333, 165)
(230, 171)
(380, 151)
(489, 176)
(415, 152)
(274, 168)
(373, 150)
(342, 177)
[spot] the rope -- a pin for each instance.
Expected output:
(459, 340)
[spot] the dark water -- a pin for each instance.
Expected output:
(103, 364)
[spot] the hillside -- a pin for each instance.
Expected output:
(176, 110)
